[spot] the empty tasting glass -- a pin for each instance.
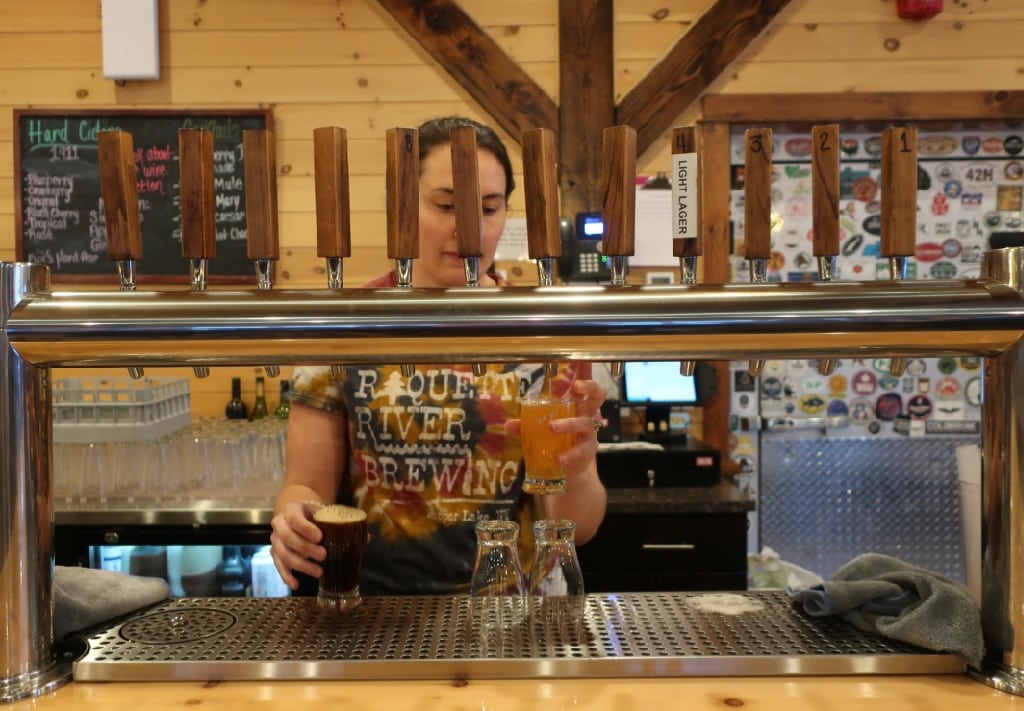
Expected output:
(497, 590)
(556, 581)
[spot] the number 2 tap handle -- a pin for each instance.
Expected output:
(687, 241)
(899, 197)
(330, 175)
(825, 209)
(261, 208)
(198, 208)
(618, 190)
(540, 183)
(403, 200)
(121, 208)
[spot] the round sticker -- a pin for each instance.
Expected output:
(861, 411)
(947, 366)
(771, 388)
(942, 270)
(919, 407)
(874, 427)
(970, 362)
(888, 406)
(888, 383)
(972, 392)
(864, 383)
(812, 404)
(1013, 145)
(951, 248)
(837, 384)
(916, 366)
(865, 189)
(948, 388)
(837, 408)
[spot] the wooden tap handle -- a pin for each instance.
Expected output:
(757, 190)
(825, 190)
(469, 217)
(120, 195)
(618, 189)
(899, 191)
(540, 183)
(687, 240)
(330, 174)
(402, 180)
(195, 186)
(260, 194)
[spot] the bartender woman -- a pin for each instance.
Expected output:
(427, 456)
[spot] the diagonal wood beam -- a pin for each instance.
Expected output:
(696, 60)
(477, 63)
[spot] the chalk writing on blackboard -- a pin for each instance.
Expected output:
(60, 209)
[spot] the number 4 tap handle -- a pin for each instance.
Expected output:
(540, 183)
(261, 208)
(330, 172)
(121, 208)
(198, 207)
(687, 242)
(403, 189)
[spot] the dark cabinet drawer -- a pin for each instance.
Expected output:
(667, 552)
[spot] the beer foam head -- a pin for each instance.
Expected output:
(339, 514)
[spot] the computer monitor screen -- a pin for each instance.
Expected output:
(658, 383)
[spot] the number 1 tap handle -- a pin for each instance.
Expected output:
(540, 183)
(899, 191)
(330, 173)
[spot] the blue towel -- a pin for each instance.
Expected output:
(881, 594)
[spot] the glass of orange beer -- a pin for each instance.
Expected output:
(542, 445)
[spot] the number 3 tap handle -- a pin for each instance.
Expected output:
(121, 208)
(540, 183)
(466, 200)
(261, 208)
(757, 205)
(330, 174)
(198, 208)
(618, 190)
(403, 200)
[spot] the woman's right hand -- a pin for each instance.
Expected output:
(295, 542)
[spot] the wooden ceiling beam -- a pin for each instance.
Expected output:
(697, 58)
(477, 63)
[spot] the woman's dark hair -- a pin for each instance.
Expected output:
(437, 132)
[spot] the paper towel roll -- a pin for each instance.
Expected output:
(968, 464)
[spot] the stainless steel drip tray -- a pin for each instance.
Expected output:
(434, 637)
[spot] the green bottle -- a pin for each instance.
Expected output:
(284, 406)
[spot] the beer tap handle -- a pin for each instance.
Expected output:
(686, 233)
(403, 204)
(121, 208)
(899, 207)
(330, 172)
(618, 191)
(198, 208)
(468, 208)
(825, 209)
(757, 210)
(469, 217)
(261, 209)
(540, 183)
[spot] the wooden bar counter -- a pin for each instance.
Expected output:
(878, 693)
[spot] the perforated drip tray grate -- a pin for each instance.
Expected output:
(435, 637)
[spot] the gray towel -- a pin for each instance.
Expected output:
(83, 597)
(878, 593)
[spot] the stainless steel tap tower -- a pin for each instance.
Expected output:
(44, 329)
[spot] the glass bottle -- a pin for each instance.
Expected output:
(236, 409)
(259, 406)
(284, 406)
(497, 589)
(556, 582)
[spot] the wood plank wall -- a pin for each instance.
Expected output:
(345, 62)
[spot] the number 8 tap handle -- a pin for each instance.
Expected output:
(121, 208)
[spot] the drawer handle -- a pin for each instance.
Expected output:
(668, 546)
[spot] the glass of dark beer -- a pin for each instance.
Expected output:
(344, 529)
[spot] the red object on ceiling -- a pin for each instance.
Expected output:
(918, 9)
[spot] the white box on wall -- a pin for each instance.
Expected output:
(131, 39)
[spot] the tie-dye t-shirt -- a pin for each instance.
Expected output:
(428, 457)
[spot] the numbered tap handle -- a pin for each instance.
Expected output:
(899, 191)
(688, 240)
(466, 200)
(120, 196)
(757, 190)
(260, 194)
(825, 190)
(402, 179)
(618, 190)
(330, 174)
(195, 186)
(540, 183)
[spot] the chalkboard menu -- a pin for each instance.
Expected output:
(59, 212)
